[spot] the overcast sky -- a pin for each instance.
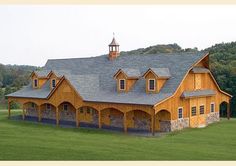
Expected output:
(32, 34)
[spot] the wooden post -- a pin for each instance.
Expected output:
(99, 119)
(77, 117)
(9, 109)
(228, 110)
(23, 113)
(153, 123)
(125, 123)
(39, 114)
(57, 116)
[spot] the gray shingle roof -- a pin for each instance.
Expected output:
(200, 70)
(161, 72)
(42, 73)
(197, 93)
(131, 72)
(93, 77)
(29, 92)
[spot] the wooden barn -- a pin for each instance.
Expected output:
(161, 92)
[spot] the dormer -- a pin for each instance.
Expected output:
(38, 79)
(54, 79)
(126, 78)
(155, 79)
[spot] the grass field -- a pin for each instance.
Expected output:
(22, 140)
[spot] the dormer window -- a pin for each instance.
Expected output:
(122, 84)
(155, 79)
(53, 83)
(35, 83)
(151, 84)
(126, 79)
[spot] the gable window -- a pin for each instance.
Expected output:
(180, 112)
(48, 106)
(151, 84)
(122, 84)
(194, 111)
(53, 83)
(35, 83)
(201, 109)
(65, 107)
(212, 107)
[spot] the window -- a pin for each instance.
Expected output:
(32, 105)
(65, 107)
(193, 111)
(122, 84)
(48, 106)
(201, 109)
(81, 110)
(53, 83)
(180, 112)
(212, 107)
(35, 83)
(151, 84)
(88, 110)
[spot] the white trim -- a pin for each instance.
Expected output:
(154, 85)
(214, 107)
(120, 84)
(182, 112)
(203, 109)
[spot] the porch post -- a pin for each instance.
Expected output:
(9, 109)
(228, 110)
(99, 119)
(77, 117)
(57, 116)
(23, 113)
(153, 123)
(125, 123)
(39, 114)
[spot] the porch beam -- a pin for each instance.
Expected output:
(77, 117)
(125, 122)
(228, 110)
(57, 116)
(39, 114)
(99, 119)
(153, 123)
(23, 113)
(9, 109)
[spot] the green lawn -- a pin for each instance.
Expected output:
(30, 141)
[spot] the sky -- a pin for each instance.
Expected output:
(31, 34)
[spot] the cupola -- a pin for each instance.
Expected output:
(113, 49)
